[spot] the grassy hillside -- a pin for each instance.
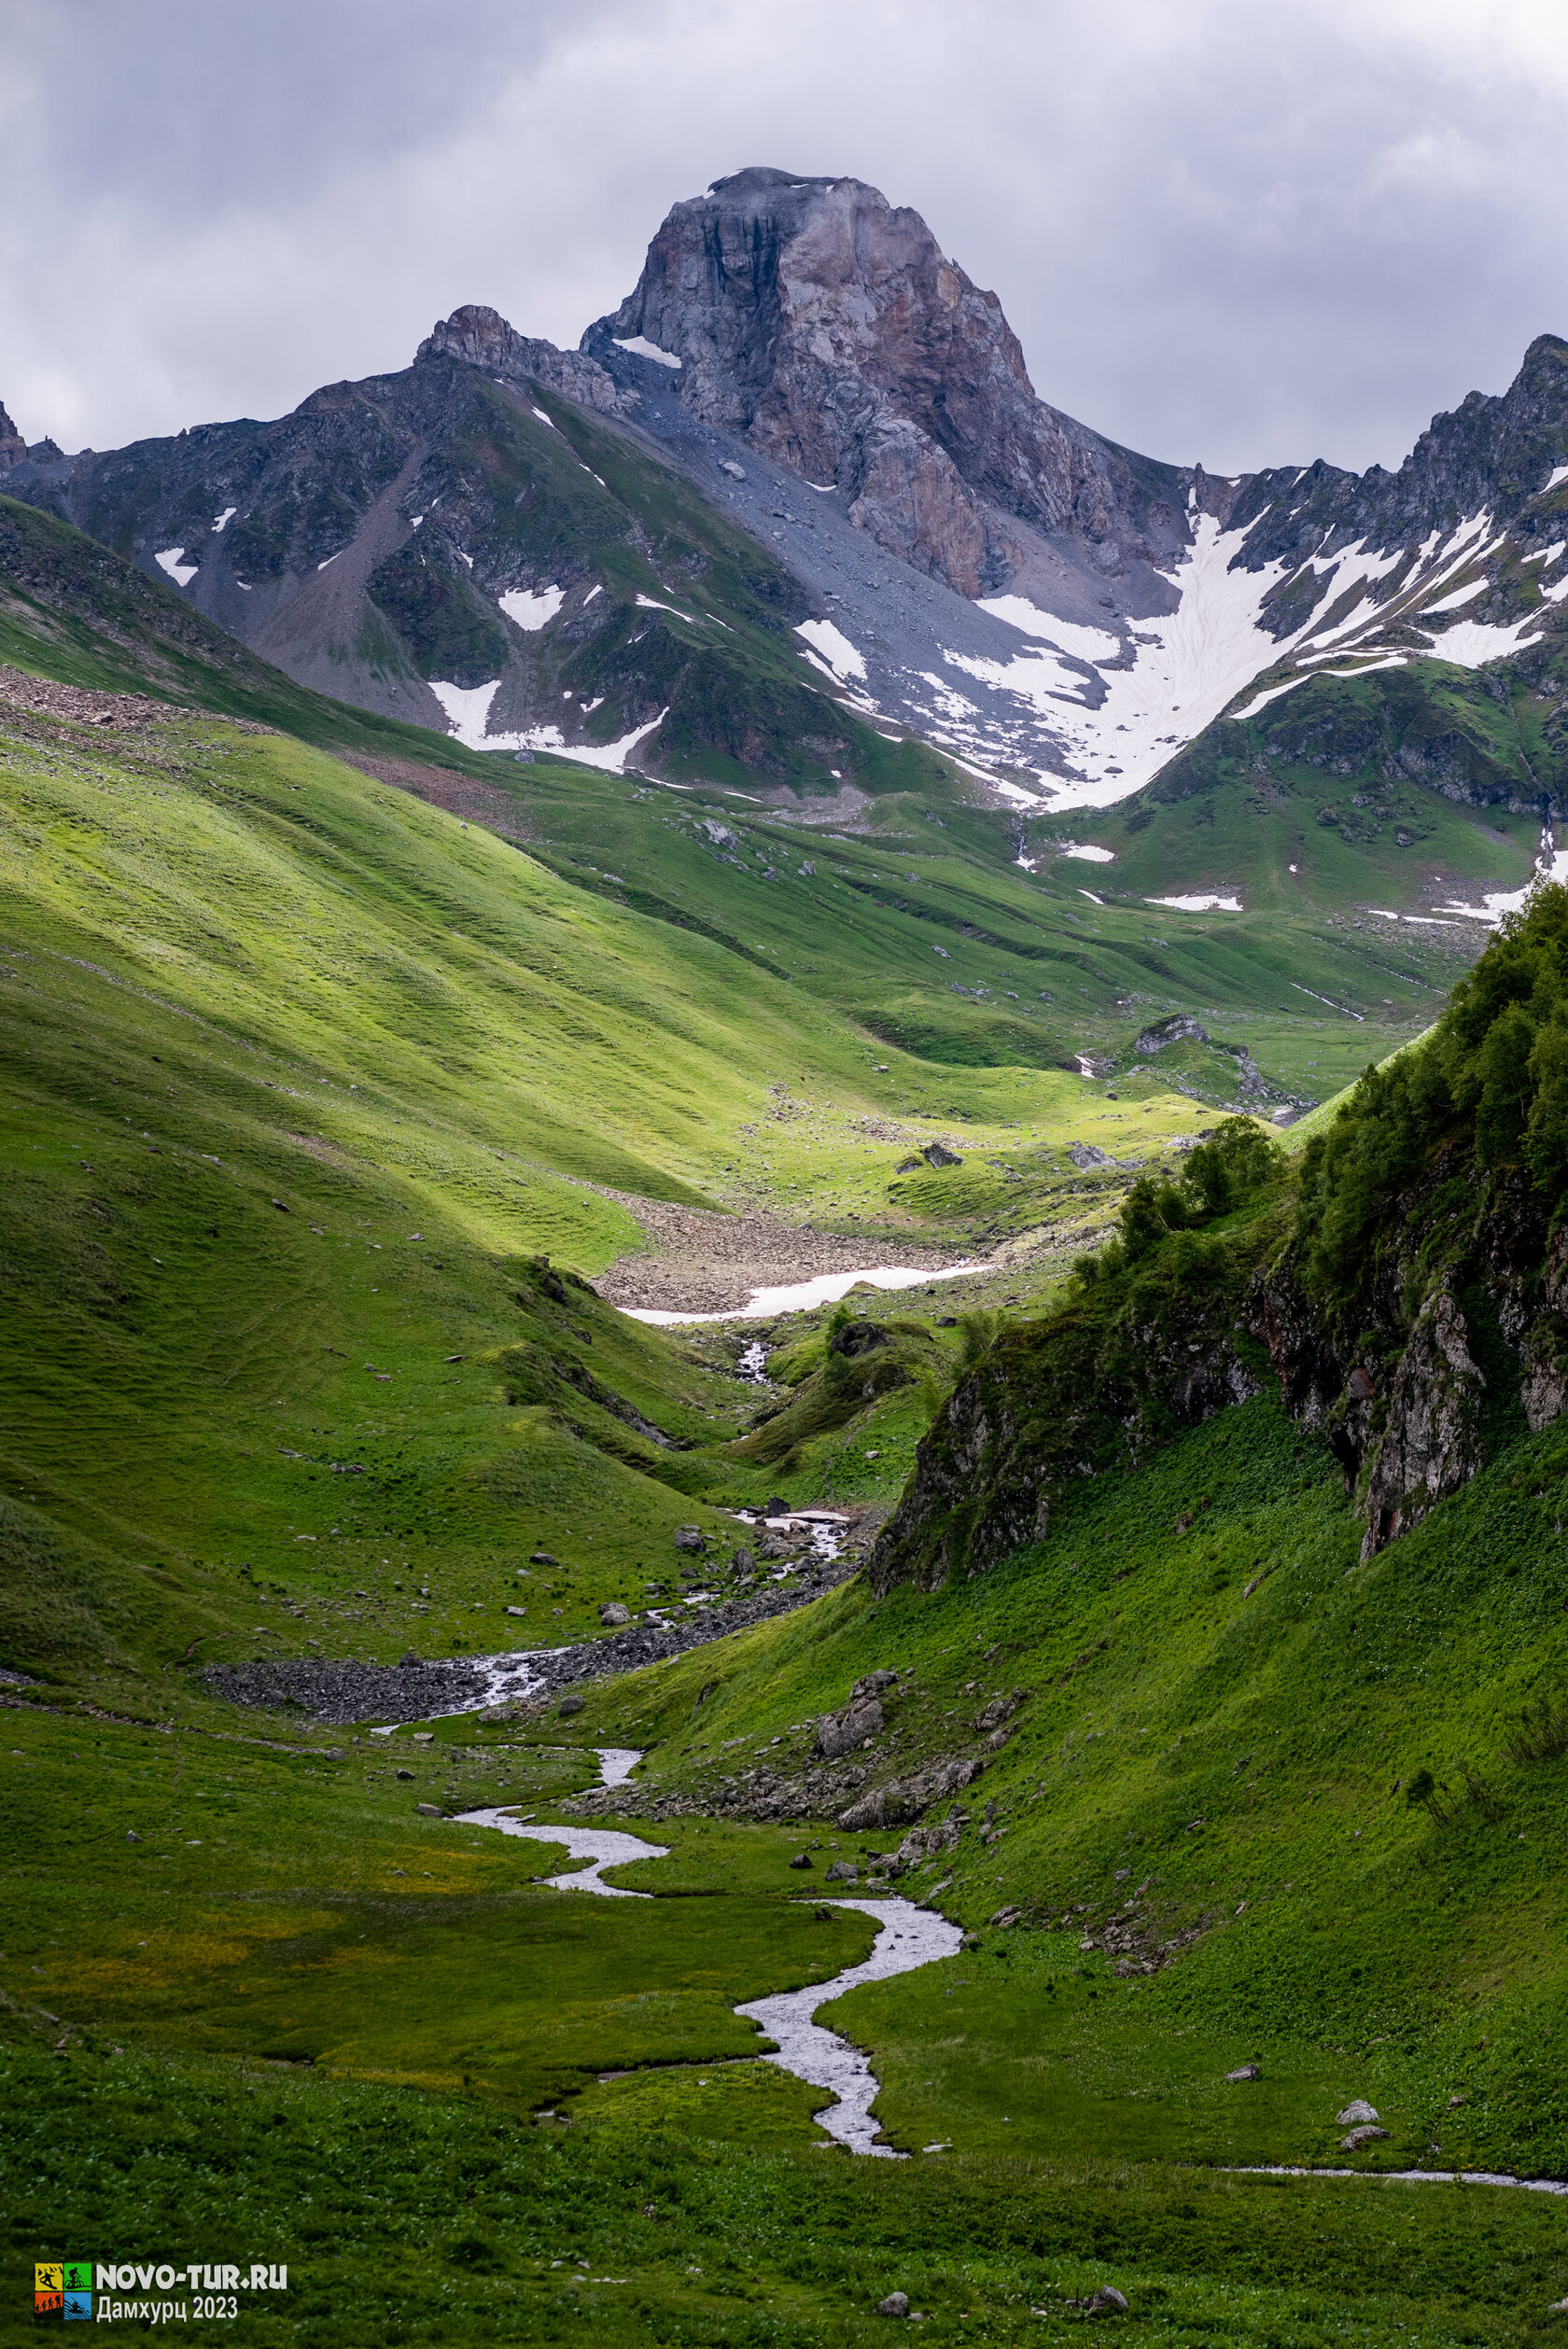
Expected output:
(1404, 787)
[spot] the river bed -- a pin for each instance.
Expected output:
(906, 1937)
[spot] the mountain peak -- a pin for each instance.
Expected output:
(481, 337)
(827, 326)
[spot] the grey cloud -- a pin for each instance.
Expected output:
(1243, 235)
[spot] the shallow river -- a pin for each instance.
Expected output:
(907, 1938)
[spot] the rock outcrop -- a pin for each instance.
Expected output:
(13, 448)
(481, 337)
(1090, 1392)
(827, 326)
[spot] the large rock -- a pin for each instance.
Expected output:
(890, 1805)
(1357, 2110)
(840, 1733)
(827, 326)
(1431, 1444)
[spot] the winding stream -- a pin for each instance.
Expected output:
(906, 1937)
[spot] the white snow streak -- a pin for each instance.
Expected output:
(168, 559)
(221, 522)
(640, 348)
(1214, 904)
(842, 659)
(532, 608)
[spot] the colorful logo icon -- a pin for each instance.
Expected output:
(62, 2288)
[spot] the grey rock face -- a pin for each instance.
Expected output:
(1431, 1443)
(483, 338)
(13, 448)
(827, 326)
(840, 1733)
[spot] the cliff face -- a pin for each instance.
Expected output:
(827, 326)
(13, 448)
(1467, 1338)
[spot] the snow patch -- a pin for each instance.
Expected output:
(640, 348)
(1470, 643)
(1070, 635)
(835, 648)
(650, 602)
(532, 608)
(221, 522)
(1213, 904)
(1088, 854)
(1460, 595)
(1550, 865)
(544, 419)
(168, 559)
(800, 1296)
(1558, 473)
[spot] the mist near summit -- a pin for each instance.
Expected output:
(1239, 236)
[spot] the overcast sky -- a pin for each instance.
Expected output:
(1222, 231)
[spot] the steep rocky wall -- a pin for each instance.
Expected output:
(828, 326)
(1468, 1342)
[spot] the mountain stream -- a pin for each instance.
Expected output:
(906, 1937)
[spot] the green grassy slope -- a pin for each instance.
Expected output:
(1402, 788)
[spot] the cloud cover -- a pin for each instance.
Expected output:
(1243, 235)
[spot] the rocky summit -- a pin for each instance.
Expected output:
(799, 490)
(828, 328)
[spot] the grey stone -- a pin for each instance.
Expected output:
(802, 1859)
(569, 1703)
(542, 1558)
(1355, 2138)
(429, 1811)
(1108, 2301)
(613, 1612)
(896, 2304)
(839, 1733)
(843, 1872)
(1000, 1708)
(689, 1537)
(131, 1836)
(405, 1773)
(1356, 2111)
(935, 1154)
(1243, 2071)
(516, 1610)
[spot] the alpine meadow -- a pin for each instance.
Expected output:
(931, 1058)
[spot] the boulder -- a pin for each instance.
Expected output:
(896, 2304)
(935, 1156)
(611, 1612)
(406, 1773)
(429, 1810)
(1108, 2301)
(569, 1703)
(1355, 2138)
(802, 1859)
(1357, 2111)
(1242, 2071)
(516, 1610)
(844, 1872)
(131, 1835)
(542, 1558)
(689, 1537)
(840, 1733)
